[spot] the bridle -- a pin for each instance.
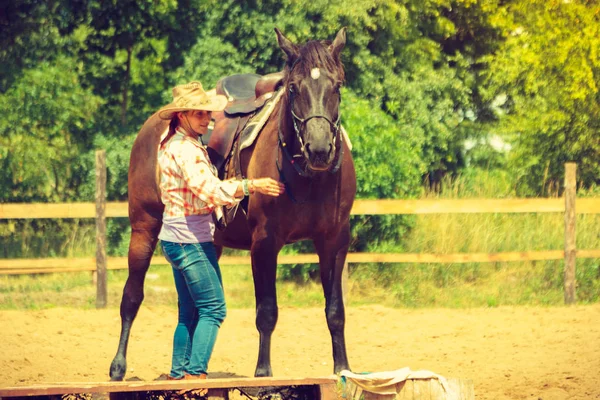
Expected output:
(299, 122)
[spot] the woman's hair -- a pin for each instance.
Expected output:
(173, 124)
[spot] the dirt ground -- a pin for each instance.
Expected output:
(508, 352)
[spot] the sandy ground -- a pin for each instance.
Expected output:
(508, 352)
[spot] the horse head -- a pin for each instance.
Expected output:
(313, 79)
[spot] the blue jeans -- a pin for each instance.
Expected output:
(201, 304)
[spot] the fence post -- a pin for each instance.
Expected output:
(570, 231)
(345, 289)
(101, 286)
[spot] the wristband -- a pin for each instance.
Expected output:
(245, 187)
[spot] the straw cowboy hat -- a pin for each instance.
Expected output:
(191, 96)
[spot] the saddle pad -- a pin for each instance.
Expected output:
(254, 126)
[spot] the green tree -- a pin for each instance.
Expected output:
(543, 83)
(116, 32)
(31, 33)
(209, 60)
(47, 127)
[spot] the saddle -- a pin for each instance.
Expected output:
(246, 95)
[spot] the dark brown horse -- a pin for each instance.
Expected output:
(301, 144)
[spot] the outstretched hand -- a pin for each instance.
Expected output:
(267, 186)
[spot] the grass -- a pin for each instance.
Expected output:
(395, 285)
(77, 290)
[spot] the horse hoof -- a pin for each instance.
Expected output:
(118, 367)
(338, 369)
(263, 372)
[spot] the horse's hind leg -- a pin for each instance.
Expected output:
(141, 248)
(332, 256)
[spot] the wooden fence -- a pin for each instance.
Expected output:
(102, 209)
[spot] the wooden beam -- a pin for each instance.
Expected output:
(588, 253)
(361, 207)
(101, 278)
(456, 258)
(588, 206)
(47, 210)
(52, 265)
(457, 206)
(570, 232)
(120, 209)
(145, 386)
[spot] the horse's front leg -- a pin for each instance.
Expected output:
(141, 248)
(264, 271)
(332, 256)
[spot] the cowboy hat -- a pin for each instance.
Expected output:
(191, 96)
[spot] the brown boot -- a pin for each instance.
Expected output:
(194, 392)
(190, 376)
(172, 378)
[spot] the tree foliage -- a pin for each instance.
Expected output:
(429, 84)
(45, 130)
(543, 82)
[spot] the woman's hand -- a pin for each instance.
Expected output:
(267, 186)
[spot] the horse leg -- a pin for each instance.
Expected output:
(332, 255)
(141, 248)
(264, 271)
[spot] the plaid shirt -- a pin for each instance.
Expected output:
(188, 181)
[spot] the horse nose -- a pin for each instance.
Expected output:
(319, 157)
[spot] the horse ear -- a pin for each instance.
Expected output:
(338, 43)
(290, 49)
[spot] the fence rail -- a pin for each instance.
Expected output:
(100, 210)
(54, 265)
(361, 207)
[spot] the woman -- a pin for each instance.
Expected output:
(191, 192)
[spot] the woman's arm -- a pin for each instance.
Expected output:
(196, 170)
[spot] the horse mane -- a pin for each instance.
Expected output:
(315, 53)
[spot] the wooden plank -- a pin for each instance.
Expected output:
(588, 206)
(588, 253)
(43, 263)
(48, 265)
(329, 391)
(371, 207)
(47, 210)
(118, 209)
(60, 210)
(345, 287)
(143, 386)
(457, 206)
(101, 278)
(450, 206)
(570, 232)
(456, 258)
(361, 207)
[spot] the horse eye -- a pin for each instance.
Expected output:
(292, 88)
